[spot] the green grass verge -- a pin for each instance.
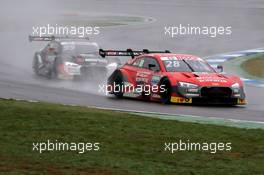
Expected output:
(234, 66)
(254, 66)
(129, 144)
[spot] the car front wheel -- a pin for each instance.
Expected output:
(165, 92)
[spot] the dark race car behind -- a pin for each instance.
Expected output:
(70, 58)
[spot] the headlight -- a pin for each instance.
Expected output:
(235, 86)
(70, 64)
(187, 85)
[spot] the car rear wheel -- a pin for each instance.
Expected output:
(36, 65)
(118, 86)
(165, 95)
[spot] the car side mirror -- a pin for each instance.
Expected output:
(151, 66)
(220, 68)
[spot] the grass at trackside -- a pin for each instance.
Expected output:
(254, 66)
(128, 144)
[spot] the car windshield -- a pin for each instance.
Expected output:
(187, 66)
(75, 48)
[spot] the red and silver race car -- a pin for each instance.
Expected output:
(169, 77)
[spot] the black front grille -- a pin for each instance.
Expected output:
(216, 92)
(215, 101)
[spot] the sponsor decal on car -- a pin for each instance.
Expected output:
(155, 80)
(181, 100)
(142, 77)
(211, 79)
(180, 57)
(241, 101)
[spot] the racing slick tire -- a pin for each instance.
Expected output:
(118, 85)
(166, 95)
(36, 64)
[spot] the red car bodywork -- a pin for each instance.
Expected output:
(208, 87)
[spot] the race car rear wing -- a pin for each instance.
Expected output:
(51, 38)
(128, 52)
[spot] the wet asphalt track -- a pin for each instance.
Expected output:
(17, 19)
